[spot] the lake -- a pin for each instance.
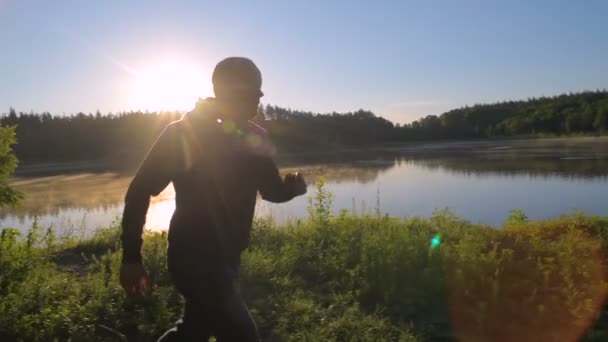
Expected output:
(479, 181)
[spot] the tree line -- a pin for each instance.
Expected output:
(566, 114)
(43, 137)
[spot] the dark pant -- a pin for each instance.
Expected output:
(214, 306)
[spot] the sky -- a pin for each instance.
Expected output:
(400, 59)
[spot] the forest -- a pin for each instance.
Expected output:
(120, 137)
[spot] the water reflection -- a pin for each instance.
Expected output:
(412, 180)
(52, 195)
(543, 167)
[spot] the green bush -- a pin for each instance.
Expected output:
(345, 277)
(8, 163)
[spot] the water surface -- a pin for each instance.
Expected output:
(480, 181)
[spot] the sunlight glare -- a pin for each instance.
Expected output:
(169, 85)
(161, 210)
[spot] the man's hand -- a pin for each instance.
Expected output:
(134, 279)
(296, 182)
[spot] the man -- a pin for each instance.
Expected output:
(217, 160)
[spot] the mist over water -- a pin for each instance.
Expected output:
(480, 181)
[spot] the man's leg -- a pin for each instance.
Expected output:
(191, 279)
(214, 305)
(194, 326)
(234, 323)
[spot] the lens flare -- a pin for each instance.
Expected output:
(546, 282)
(435, 241)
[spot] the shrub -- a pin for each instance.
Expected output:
(345, 277)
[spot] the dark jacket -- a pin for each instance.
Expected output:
(216, 168)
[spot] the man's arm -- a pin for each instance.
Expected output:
(153, 176)
(270, 184)
(275, 189)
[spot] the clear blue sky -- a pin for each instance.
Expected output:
(401, 59)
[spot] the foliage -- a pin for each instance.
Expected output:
(566, 114)
(120, 137)
(319, 204)
(8, 163)
(516, 217)
(344, 277)
(294, 130)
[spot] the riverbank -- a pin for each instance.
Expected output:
(351, 277)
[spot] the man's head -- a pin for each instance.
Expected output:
(237, 83)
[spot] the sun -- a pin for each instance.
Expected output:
(169, 85)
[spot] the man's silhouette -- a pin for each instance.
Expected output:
(218, 161)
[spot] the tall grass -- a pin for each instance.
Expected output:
(345, 277)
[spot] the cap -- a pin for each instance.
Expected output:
(237, 74)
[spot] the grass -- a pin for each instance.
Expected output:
(345, 277)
